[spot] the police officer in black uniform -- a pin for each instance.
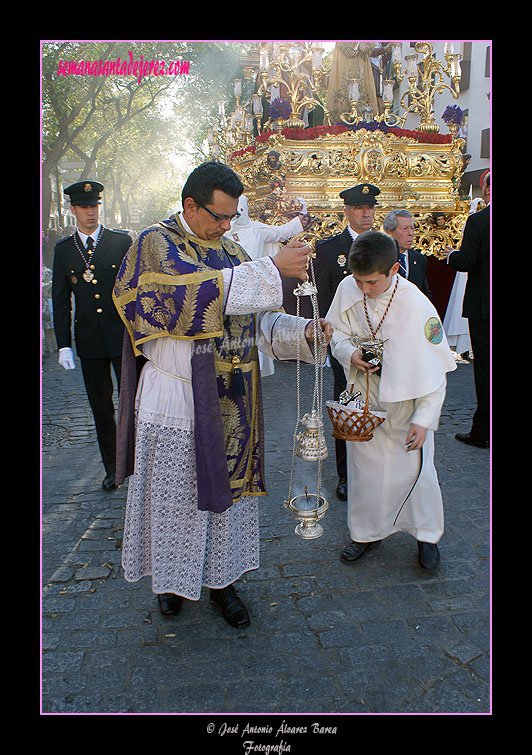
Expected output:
(86, 265)
(330, 267)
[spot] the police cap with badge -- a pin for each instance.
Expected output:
(360, 194)
(85, 193)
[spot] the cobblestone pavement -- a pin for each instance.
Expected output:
(325, 638)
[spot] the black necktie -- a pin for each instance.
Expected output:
(90, 244)
(402, 264)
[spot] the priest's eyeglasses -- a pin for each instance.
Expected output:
(219, 218)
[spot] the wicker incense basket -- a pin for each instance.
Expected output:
(354, 424)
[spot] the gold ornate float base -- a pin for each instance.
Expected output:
(420, 177)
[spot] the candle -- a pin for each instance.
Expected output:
(411, 70)
(257, 104)
(317, 56)
(264, 60)
(456, 71)
(387, 93)
(397, 48)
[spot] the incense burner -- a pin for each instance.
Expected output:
(308, 509)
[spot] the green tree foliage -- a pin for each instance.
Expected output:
(143, 130)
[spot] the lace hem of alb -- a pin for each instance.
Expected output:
(161, 419)
(166, 536)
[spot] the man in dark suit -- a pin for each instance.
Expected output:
(330, 267)
(86, 265)
(412, 264)
(473, 258)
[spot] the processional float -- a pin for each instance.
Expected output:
(279, 158)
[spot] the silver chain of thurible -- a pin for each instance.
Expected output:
(317, 398)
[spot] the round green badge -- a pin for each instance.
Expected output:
(434, 330)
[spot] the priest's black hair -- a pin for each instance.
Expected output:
(208, 177)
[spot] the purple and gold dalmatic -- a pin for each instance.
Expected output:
(170, 284)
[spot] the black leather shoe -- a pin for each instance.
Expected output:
(169, 603)
(109, 482)
(233, 610)
(471, 440)
(354, 551)
(341, 489)
(429, 556)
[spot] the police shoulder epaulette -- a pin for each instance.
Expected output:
(322, 242)
(67, 238)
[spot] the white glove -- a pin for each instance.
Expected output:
(66, 358)
(303, 209)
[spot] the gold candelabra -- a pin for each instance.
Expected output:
(426, 79)
(292, 71)
(236, 131)
(355, 116)
(297, 68)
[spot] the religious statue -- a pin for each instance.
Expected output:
(352, 60)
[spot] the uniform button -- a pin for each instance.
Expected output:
(113, 265)
(99, 310)
(94, 281)
(96, 296)
(92, 267)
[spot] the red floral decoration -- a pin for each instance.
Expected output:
(298, 134)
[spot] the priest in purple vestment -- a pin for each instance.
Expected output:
(196, 311)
